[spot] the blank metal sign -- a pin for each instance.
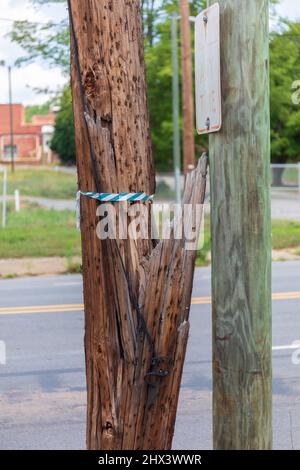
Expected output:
(208, 70)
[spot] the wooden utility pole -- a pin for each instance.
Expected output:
(241, 233)
(137, 292)
(187, 89)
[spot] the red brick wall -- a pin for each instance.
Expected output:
(26, 145)
(24, 134)
(18, 118)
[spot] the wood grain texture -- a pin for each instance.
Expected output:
(241, 233)
(127, 408)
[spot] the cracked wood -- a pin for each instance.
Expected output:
(124, 409)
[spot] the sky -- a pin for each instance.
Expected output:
(37, 75)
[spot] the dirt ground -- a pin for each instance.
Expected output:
(10, 268)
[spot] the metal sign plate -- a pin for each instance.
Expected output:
(208, 71)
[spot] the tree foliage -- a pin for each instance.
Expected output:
(158, 55)
(50, 43)
(37, 109)
(43, 41)
(63, 142)
(285, 115)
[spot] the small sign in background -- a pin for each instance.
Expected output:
(208, 70)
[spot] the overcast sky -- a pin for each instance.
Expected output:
(37, 75)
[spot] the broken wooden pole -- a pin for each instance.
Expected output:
(137, 292)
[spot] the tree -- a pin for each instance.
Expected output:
(285, 115)
(63, 141)
(159, 79)
(50, 43)
(37, 109)
(150, 13)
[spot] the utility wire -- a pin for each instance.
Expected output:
(132, 295)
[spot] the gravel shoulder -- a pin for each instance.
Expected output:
(10, 268)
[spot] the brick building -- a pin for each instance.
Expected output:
(31, 141)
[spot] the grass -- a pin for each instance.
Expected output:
(41, 183)
(36, 232)
(285, 234)
(290, 176)
(164, 192)
(74, 267)
(203, 254)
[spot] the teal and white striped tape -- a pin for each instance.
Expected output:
(109, 197)
(118, 197)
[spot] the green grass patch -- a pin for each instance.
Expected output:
(290, 176)
(203, 254)
(164, 192)
(36, 232)
(285, 234)
(74, 267)
(41, 183)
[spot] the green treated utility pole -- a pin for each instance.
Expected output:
(241, 233)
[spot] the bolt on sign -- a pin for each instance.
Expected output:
(208, 70)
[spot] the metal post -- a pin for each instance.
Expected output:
(11, 118)
(4, 198)
(176, 130)
(17, 200)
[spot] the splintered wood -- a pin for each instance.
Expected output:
(137, 293)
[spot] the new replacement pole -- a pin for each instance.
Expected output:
(4, 198)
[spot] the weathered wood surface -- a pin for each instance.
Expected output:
(124, 409)
(187, 89)
(241, 233)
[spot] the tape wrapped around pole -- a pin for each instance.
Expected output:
(118, 197)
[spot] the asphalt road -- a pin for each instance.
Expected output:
(42, 391)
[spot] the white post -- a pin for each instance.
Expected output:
(2, 353)
(4, 198)
(299, 180)
(17, 200)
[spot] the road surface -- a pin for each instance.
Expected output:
(42, 395)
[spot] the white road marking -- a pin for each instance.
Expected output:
(70, 283)
(286, 347)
